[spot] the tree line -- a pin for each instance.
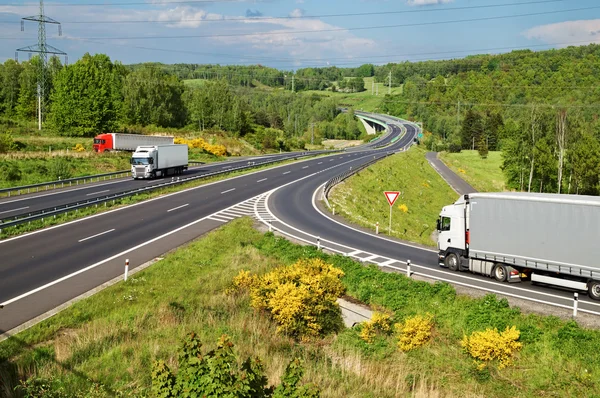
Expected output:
(97, 95)
(539, 108)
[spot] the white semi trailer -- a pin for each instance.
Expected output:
(549, 238)
(151, 161)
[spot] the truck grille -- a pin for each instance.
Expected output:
(140, 170)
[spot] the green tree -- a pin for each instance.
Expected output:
(27, 103)
(87, 97)
(151, 96)
(471, 129)
(9, 91)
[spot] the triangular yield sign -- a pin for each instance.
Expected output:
(391, 196)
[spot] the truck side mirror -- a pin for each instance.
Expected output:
(439, 226)
(151, 160)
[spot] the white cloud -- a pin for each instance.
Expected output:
(298, 12)
(571, 31)
(426, 2)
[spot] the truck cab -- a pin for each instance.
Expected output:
(103, 143)
(452, 234)
(142, 162)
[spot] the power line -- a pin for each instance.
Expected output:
(293, 17)
(319, 62)
(133, 3)
(278, 33)
(530, 105)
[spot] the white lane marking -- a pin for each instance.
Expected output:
(386, 264)
(287, 172)
(177, 208)
(226, 167)
(305, 167)
(94, 193)
(229, 190)
(39, 231)
(264, 179)
(332, 160)
(20, 208)
(95, 236)
(319, 162)
(216, 219)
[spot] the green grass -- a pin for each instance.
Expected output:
(364, 100)
(41, 168)
(485, 175)
(112, 338)
(361, 200)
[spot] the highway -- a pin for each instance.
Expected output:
(24, 204)
(295, 210)
(46, 268)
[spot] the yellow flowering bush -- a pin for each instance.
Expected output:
(79, 148)
(403, 208)
(490, 345)
(301, 298)
(379, 323)
(414, 331)
(217, 150)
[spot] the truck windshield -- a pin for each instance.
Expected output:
(140, 161)
(99, 141)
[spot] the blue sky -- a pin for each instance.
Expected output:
(225, 31)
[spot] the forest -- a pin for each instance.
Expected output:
(539, 108)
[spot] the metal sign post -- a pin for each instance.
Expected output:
(391, 197)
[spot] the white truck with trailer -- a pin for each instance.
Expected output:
(548, 238)
(151, 161)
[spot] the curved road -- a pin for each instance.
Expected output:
(46, 268)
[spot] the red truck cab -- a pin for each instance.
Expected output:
(103, 143)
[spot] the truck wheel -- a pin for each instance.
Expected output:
(594, 290)
(500, 273)
(451, 261)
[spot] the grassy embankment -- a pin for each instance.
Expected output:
(485, 175)
(423, 194)
(112, 338)
(38, 156)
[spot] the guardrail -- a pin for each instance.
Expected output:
(341, 177)
(74, 206)
(49, 185)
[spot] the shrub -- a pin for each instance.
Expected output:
(490, 345)
(301, 298)
(6, 143)
(217, 374)
(217, 150)
(59, 167)
(454, 148)
(10, 171)
(378, 324)
(79, 148)
(414, 332)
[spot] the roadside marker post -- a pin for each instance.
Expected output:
(408, 273)
(575, 302)
(391, 197)
(377, 228)
(126, 270)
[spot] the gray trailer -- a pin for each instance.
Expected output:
(151, 161)
(548, 238)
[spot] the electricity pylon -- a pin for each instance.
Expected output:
(43, 49)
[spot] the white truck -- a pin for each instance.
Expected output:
(128, 142)
(547, 238)
(151, 161)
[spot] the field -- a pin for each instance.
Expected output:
(423, 194)
(106, 345)
(485, 175)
